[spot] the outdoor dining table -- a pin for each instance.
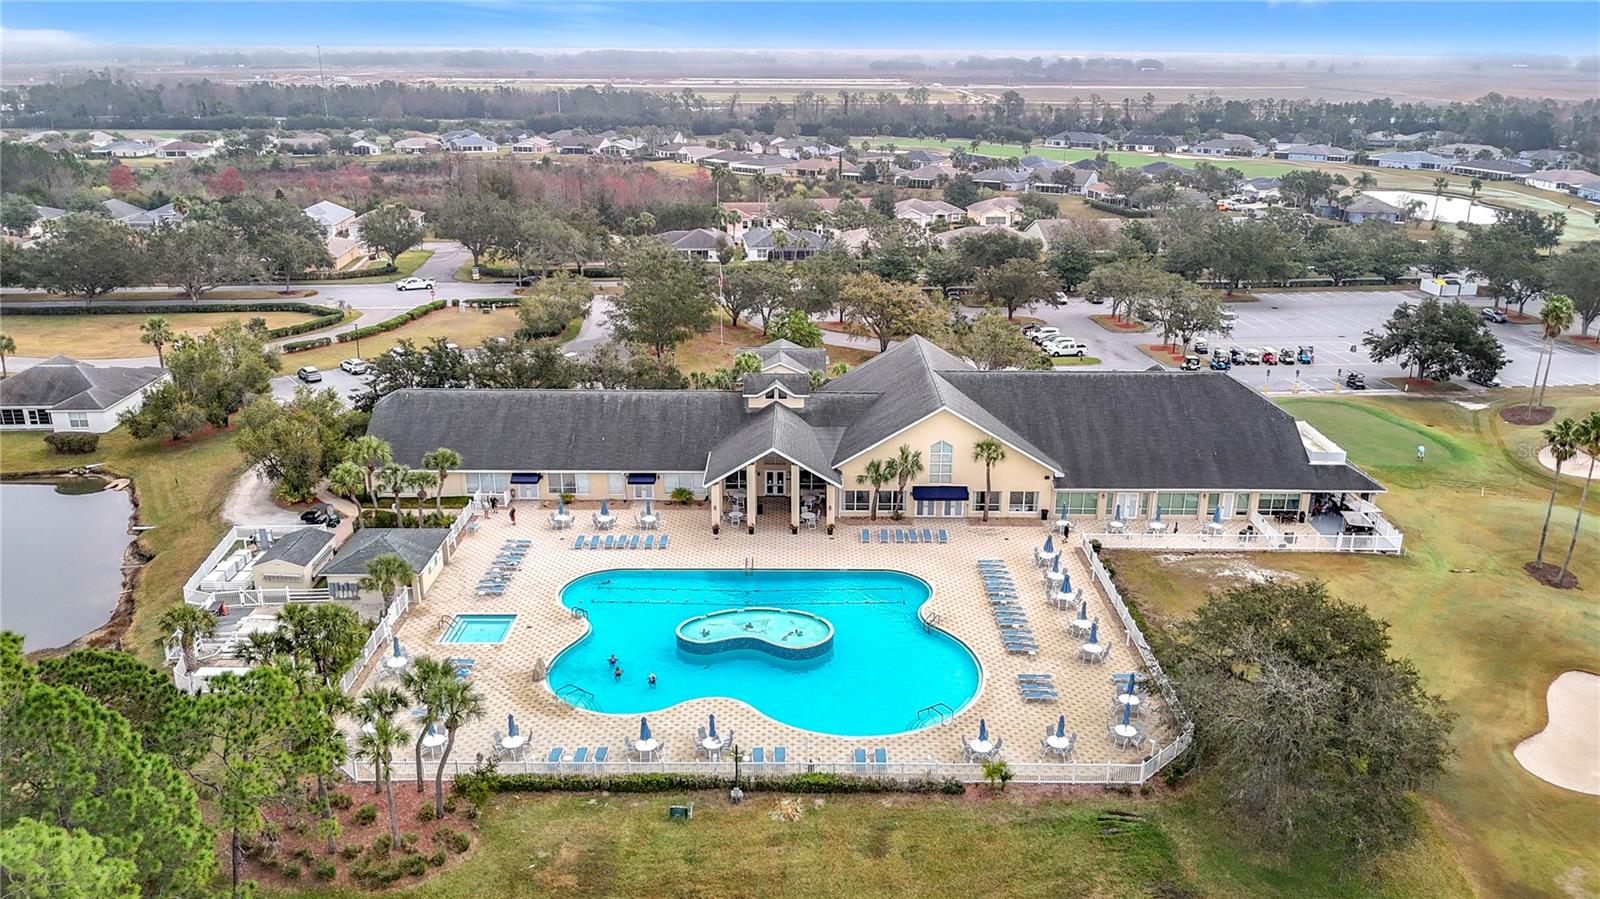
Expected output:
(1211, 527)
(711, 745)
(649, 521)
(1077, 625)
(1045, 558)
(1058, 744)
(1131, 700)
(647, 747)
(1158, 527)
(1061, 526)
(1116, 527)
(1095, 649)
(433, 741)
(1125, 734)
(980, 747)
(604, 522)
(735, 516)
(562, 519)
(1054, 578)
(513, 744)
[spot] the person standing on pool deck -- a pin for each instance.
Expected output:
(513, 516)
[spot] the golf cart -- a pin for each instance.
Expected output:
(1218, 363)
(1201, 347)
(1355, 381)
(1235, 356)
(1191, 363)
(1308, 355)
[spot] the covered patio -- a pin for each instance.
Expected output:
(772, 472)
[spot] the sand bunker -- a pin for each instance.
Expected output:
(1577, 466)
(1567, 752)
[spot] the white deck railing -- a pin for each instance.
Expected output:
(380, 635)
(192, 594)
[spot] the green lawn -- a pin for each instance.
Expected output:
(113, 336)
(180, 487)
(1485, 636)
(409, 262)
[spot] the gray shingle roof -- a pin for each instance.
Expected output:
(415, 545)
(792, 354)
(68, 385)
(297, 547)
(759, 383)
(775, 429)
(694, 239)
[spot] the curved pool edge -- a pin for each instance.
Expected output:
(588, 631)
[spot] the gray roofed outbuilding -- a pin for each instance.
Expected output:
(415, 545)
(297, 547)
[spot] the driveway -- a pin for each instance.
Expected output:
(346, 385)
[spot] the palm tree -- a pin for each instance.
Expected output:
(346, 480)
(1562, 442)
(423, 681)
(420, 480)
(990, 452)
(387, 574)
(907, 465)
(7, 347)
(877, 474)
(1477, 185)
(441, 461)
(392, 479)
(188, 625)
(1440, 185)
(1589, 442)
(1365, 180)
(157, 332)
(377, 746)
(371, 453)
(1556, 316)
(376, 704)
(459, 703)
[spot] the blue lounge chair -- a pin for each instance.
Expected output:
(899, 535)
(927, 536)
(611, 542)
(594, 542)
(578, 544)
(600, 754)
(860, 756)
(650, 541)
(580, 755)
(663, 543)
(911, 535)
(866, 536)
(883, 535)
(554, 758)
(941, 535)
(880, 757)
(758, 756)
(634, 543)
(622, 542)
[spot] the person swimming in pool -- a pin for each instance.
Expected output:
(612, 661)
(652, 679)
(616, 675)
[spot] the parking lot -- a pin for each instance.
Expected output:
(346, 385)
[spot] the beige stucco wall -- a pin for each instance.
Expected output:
(277, 569)
(1017, 472)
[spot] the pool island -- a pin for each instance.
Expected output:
(783, 633)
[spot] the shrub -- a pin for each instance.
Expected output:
(66, 443)
(366, 814)
(299, 346)
(413, 865)
(381, 844)
(496, 782)
(453, 840)
(682, 495)
(437, 859)
(350, 850)
(325, 869)
(302, 855)
(341, 800)
(408, 841)
(425, 812)
(377, 270)
(291, 870)
(389, 324)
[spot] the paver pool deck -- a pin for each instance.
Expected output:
(510, 674)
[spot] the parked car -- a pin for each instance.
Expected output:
(1060, 298)
(1191, 363)
(1307, 355)
(1493, 314)
(309, 374)
(1286, 356)
(321, 513)
(1201, 347)
(1220, 364)
(353, 366)
(1235, 356)
(1484, 379)
(1044, 333)
(1355, 381)
(1267, 357)
(1065, 346)
(1094, 299)
(414, 284)
(1229, 319)
(1029, 329)
(529, 280)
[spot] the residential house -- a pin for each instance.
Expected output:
(186, 149)
(573, 143)
(125, 149)
(140, 219)
(1395, 139)
(781, 245)
(621, 148)
(1229, 145)
(364, 147)
(1565, 180)
(1311, 153)
(1492, 169)
(415, 146)
(922, 157)
(1004, 211)
(759, 214)
(1547, 158)
(723, 159)
(293, 560)
(928, 176)
(1257, 190)
(1461, 150)
(762, 448)
(1163, 168)
(422, 549)
(43, 216)
(341, 232)
(693, 153)
(1101, 191)
(331, 217)
(471, 142)
(1098, 231)
(62, 394)
(928, 212)
(1082, 140)
(759, 165)
(1414, 160)
(1359, 208)
(815, 168)
(99, 139)
(1036, 163)
(945, 238)
(1150, 143)
(532, 145)
(304, 143)
(854, 240)
(1016, 180)
(699, 243)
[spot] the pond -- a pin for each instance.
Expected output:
(60, 558)
(1445, 209)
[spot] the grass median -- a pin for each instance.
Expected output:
(114, 336)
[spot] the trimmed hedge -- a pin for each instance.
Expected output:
(589, 271)
(390, 324)
(495, 782)
(1114, 209)
(378, 271)
(300, 346)
(326, 316)
(494, 302)
(70, 443)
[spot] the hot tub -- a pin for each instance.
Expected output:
(782, 633)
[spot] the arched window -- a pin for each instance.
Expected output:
(941, 461)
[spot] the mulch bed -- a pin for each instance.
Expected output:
(1520, 414)
(1163, 352)
(1547, 574)
(1590, 342)
(1521, 318)
(298, 838)
(1119, 324)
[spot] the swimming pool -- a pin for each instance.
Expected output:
(478, 629)
(883, 669)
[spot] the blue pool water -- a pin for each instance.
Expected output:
(478, 629)
(884, 666)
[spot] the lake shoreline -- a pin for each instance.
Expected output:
(134, 557)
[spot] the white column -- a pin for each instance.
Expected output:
(750, 494)
(716, 503)
(833, 505)
(794, 496)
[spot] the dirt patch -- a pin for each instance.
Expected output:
(1567, 752)
(1224, 566)
(1521, 318)
(1119, 324)
(1472, 407)
(1521, 414)
(1550, 576)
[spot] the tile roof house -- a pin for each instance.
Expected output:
(186, 149)
(1149, 143)
(416, 145)
(62, 394)
(1184, 443)
(928, 212)
(1005, 211)
(140, 219)
(1229, 145)
(533, 145)
(759, 165)
(1415, 160)
(700, 243)
(1086, 140)
(787, 245)
(472, 142)
(1311, 153)
(927, 176)
(330, 216)
(1547, 158)
(1003, 179)
(125, 149)
(1567, 180)
(1492, 169)
(1361, 208)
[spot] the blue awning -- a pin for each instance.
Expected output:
(526, 477)
(939, 492)
(641, 478)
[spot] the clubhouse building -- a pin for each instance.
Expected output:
(1138, 455)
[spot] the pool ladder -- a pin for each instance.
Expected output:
(445, 621)
(749, 565)
(930, 620)
(926, 716)
(578, 696)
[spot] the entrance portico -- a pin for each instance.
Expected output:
(774, 489)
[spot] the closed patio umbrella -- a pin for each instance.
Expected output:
(1216, 515)
(1127, 712)
(1066, 582)
(647, 507)
(983, 731)
(644, 729)
(1158, 513)
(1049, 545)
(397, 651)
(605, 507)
(1094, 632)
(1118, 516)
(1130, 683)
(711, 730)
(1083, 609)
(561, 505)
(1061, 726)
(1055, 564)
(511, 725)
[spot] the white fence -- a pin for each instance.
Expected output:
(1266, 538)
(192, 594)
(379, 636)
